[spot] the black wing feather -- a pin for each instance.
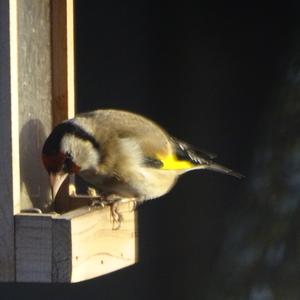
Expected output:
(187, 152)
(184, 151)
(183, 146)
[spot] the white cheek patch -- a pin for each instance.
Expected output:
(83, 152)
(87, 159)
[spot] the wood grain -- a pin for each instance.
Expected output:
(33, 248)
(63, 91)
(62, 251)
(9, 148)
(75, 246)
(86, 246)
(34, 90)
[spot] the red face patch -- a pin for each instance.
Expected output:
(59, 163)
(74, 168)
(53, 163)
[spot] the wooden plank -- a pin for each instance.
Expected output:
(35, 93)
(33, 248)
(85, 244)
(73, 247)
(62, 251)
(9, 160)
(45, 83)
(63, 91)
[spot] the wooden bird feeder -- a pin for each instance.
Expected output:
(36, 93)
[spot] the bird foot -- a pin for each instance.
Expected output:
(134, 204)
(92, 192)
(102, 200)
(96, 199)
(113, 200)
(72, 190)
(97, 203)
(117, 217)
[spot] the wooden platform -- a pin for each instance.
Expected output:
(75, 246)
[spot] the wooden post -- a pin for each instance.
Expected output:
(36, 93)
(9, 146)
(63, 90)
(62, 31)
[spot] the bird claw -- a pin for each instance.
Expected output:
(116, 215)
(98, 203)
(117, 218)
(72, 190)
(102, 200)
(96, 199)
(114, 200)
(134, 204)
(92, 192)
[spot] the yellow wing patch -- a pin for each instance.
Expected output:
(171, 162)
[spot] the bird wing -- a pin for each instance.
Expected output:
(185, 147)
(182, 157)
(186, 157)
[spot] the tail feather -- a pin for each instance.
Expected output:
(198, 159)
(221, 169)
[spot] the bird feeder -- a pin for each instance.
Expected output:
(36, 93)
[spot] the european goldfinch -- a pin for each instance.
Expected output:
(122, 155)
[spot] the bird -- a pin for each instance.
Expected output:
(122, 155)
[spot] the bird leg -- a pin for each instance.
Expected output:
(103, 199)
(97, 200)
(116, 215)
(134, 203)
(92, 192)
(72, 190)
(92, 195)
(113, 200)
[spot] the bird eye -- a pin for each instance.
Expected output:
(68, 162)
(69, 155)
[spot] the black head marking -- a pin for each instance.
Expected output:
(52, 144)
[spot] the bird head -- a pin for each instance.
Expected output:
(69, 149)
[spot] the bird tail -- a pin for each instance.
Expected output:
(221, 169)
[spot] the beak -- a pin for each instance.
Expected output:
(56, 180)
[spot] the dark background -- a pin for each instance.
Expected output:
(224, 78)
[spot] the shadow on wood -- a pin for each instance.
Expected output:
(34, 179)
